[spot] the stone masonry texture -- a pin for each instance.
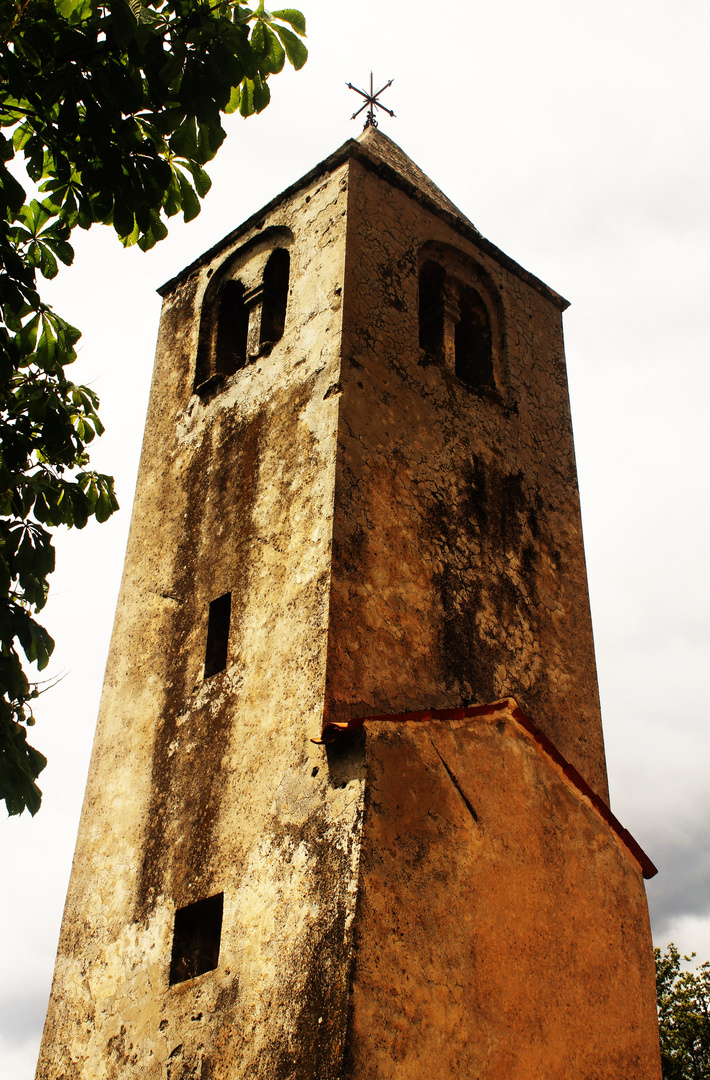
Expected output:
(415, 900)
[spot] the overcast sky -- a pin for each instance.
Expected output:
(575, 136)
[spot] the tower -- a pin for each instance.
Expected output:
(356, 522)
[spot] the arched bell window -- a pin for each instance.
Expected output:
(461, 318)
(244, 309)
(431, 308)
(232, 330)
(275, 298)
(473, 352)
(224, 329)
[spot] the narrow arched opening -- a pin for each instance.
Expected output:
(276, 279)
(431, 308)
(230, 353)
(473, 348)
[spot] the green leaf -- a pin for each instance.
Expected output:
(47, 262)
(257, 40)
(75, 10)
(21, 135)
(201, 179)
(190, 202)
(275, 55)
(173, 201)
(123, 219)
(296, 51)
(63, 250)
(246, 99)
(262, 94)
(184, 140)
(12, 190)
(20, 763)
(159, 228)
(27, 337)
(210, 138)
(293, 17)
(234, 102)
(106, 504)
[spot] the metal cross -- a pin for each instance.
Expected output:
(371, 102)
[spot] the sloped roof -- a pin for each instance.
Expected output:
(506, 708)
(382, 149)
(381, 154)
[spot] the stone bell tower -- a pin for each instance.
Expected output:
(356, 522)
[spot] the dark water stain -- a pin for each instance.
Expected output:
(212, 557)
(490, 513)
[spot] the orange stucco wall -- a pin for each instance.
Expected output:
(501, 930)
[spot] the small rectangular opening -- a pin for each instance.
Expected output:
(218, 635)
(196, 939)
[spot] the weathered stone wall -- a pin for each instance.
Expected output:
(458, 568)
(501, 930)
(202, 786)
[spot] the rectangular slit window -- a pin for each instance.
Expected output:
(196, 939)
(218, 635)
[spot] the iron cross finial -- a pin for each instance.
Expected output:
(371, 102)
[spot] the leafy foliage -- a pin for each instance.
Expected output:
(114, 108)
(683, 1016)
